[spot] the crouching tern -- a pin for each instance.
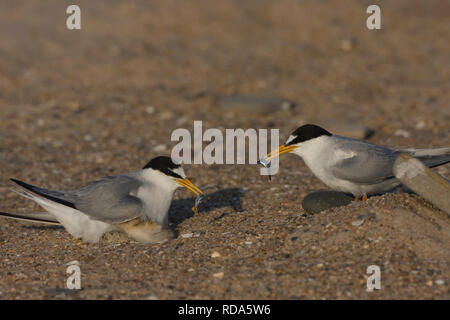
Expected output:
(136, 203)
(350, 165)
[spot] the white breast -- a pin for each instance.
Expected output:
(320, 155)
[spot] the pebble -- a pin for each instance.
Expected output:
(187, 235)
(439, 282)
(402, 133)
(348, 44)
(423, 181)
(256, 104)
(357, 223)
(420, 125)
(166, 115)
(159, 148)
(149, 109)
(321, 200)
(218, 275)
(215, 254)
(73, 263)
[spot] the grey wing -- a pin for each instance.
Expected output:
(111, 199)
(369, 164)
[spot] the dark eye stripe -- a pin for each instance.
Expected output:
(172, 174)
(164, 165)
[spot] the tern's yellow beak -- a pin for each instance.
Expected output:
(281, 150)
(189, 185)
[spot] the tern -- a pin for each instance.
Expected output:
(350, 165)
(136, 203)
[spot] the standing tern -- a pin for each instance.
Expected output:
(136, 203)
(350, 165)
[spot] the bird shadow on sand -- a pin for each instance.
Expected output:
(181, 209)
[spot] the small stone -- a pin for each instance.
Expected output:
(439, 282)
(182, 120)
(348, 44)
(256, 104)
(215, 254)
(249, 243)
(357, 223)
(73, 263)
(159, 148)
(402, 133)
(321, 200)
(166, 115)
(187, 235)
(218, 275)
(429, 283)
(420, 125)
(149, 109)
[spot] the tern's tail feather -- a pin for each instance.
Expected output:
(430, 157)
(76, 222)
(38, 217)
(56, 196)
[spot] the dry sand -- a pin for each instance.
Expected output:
(78, 105)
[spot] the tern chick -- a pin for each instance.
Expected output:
(350, 165)
(136, 203)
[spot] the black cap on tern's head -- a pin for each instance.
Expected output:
(306, 132)
(169, 168)
(165, 165)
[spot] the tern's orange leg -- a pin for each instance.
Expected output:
(364, 198)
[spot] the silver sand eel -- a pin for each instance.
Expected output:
(136, 203)
(351, 165)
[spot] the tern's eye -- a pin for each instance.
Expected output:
(174, 174)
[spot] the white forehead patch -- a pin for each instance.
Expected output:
(291, 137)
(180, 171)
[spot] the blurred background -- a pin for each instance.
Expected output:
(79, 104)
(137, 70)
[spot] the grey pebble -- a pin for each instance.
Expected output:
(357, 223)
(257, 104)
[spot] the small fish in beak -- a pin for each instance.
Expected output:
(197, 202)
(266, 165)
(276, 153)
(194, 189)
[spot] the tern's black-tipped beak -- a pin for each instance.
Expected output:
(189, 185)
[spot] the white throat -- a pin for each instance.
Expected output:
(159, 180)
(157, 193)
